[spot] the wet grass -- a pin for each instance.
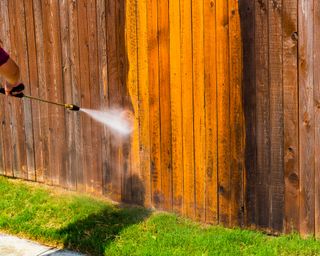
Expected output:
(96, 227)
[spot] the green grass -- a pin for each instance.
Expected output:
(96, 227)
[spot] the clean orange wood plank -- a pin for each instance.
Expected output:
(236, 117)
(224, 154)
(199, 106)
(6, 103)
(306, 117)
(165, 105)
(176, 106)
(210, 83)
(276, 186)
(144, 121)
(317, 114)
(263, 113)
(42, 172)
(132, 86)
(290, 113)
(154, 109)
(187, 109)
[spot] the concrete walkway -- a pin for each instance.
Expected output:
(14, 246)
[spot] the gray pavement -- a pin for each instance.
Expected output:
(14, 246)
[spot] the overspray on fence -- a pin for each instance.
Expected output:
(117, 120)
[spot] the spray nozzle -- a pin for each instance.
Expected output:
(72, 107)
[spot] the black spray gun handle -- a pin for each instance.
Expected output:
(15, 91)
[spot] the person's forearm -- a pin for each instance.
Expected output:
(8, 68)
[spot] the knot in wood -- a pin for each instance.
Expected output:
(263, 6)
(294, 36)
(294, 179)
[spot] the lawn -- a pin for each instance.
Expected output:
(96, 227)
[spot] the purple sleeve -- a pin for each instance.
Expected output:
(3, 56)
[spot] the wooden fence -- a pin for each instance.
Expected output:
(208, 143)
(282, 95)
(176, 65)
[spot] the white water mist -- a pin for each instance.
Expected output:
(114, 119)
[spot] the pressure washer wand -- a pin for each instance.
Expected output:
(20, 94)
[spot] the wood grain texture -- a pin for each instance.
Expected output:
(247, 13)
(43, 171)
(144, 114)
(165, 104)
(176, 106)
(316, 56)
(263, 113)
(276, 186)
(77, 160)
(199, 106)
(291, 117)
(154, 108)
(237, 133)
(34, 90)
(19, 163)
(210, 91)
(306, 117)
(6, 103)
(187, 109)
(223, 106)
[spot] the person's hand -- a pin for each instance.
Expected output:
(9, 87)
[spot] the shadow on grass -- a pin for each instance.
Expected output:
(94, 233)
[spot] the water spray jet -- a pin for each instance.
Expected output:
(113, 119)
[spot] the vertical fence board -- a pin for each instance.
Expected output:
(199, 106)
(7, 103)
(34, 90)
(96, 185)
(43, 173)
(290, 112)
(143, 77)
(187, 109)
(85, 91)
(18, 136)
(210, 83)
(103, 82)
(223, 101)
(236, 118)
(153, 60)
(306, 117)
(247, 13)
(28, 169)
(133, 83)
(276, 185)
(176, 106)
(316, 57)
(77, 162)
(165, 115)
(70, 155)
(263, 113)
